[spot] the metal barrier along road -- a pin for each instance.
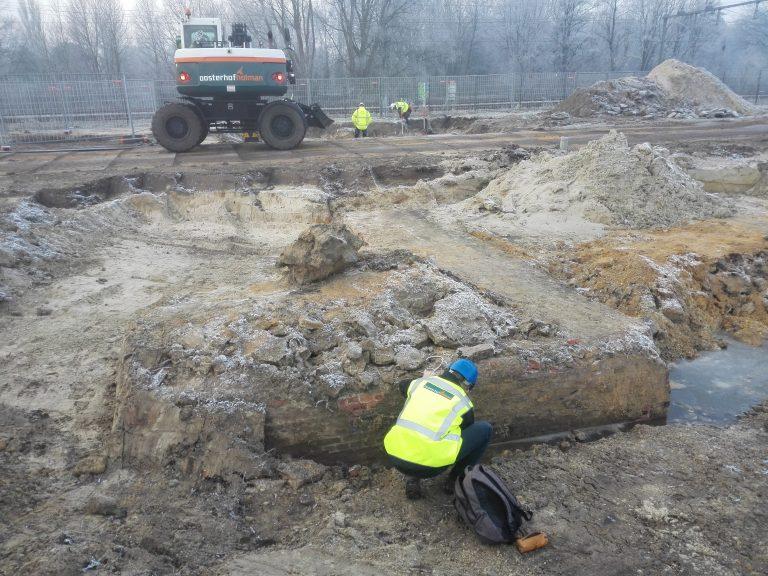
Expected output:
(82, 108)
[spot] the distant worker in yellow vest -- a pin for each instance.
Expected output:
(361, 119)
(436, 429)
(403, 109)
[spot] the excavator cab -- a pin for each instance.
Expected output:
(201, 33)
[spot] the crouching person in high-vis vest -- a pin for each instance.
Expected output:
(436, 429)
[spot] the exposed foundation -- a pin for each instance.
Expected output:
(211, 381)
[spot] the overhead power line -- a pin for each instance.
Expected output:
(708, 10)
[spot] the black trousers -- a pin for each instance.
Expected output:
(358, 132)
(474, 441)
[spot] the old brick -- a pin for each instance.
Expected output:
(349, 403)
(369, 401)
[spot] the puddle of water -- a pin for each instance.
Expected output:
(718, 386)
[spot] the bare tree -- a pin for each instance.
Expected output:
(610, 30)
(33, 38)
(698, 27)
(153, 36)
(569, 20)
(523, 23)
(8, 37)
(297, 24)
(755, 30)
(97, 29)
(114, 33)
(82, 23)
(656, 33)
(394, 37)
(366, 29)
(461, 33)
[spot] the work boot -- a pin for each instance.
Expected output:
(412, 488)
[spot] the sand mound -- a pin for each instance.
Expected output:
(672, 89)
(577, 195)
(697, 87)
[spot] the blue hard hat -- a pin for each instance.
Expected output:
(466, 368)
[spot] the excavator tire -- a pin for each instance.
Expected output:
(203, 121)
(282, 125)
(177, 127)
(204, 133)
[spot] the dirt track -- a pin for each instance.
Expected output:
(15, 165)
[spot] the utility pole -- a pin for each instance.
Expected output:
(664, 23)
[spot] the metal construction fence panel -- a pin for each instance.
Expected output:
(83, 107)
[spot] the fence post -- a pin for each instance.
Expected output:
(757, 89)
(155, 90)
(381, 98)
(65, 116)
(128, 107)
(5, 140)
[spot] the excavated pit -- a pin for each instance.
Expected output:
(234, 360)
(231, 360)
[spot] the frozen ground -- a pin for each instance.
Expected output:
(91, 267)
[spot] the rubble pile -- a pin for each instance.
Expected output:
(313, 345)
(671, 90)
(630, 96)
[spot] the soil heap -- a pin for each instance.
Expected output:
(673, 89)
(575, 196)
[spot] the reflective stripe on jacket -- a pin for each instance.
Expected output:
(428, 430)
(361, 118)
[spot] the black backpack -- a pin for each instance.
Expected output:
(486, 504)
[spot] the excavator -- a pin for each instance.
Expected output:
(227, 86)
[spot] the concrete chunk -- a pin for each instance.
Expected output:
(299, 473)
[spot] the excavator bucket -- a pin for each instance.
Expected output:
(315, 116)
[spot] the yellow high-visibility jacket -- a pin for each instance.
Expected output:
(361, 118)
(402, 106)
(428, 429)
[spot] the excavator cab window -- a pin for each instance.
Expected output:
(201, 36)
